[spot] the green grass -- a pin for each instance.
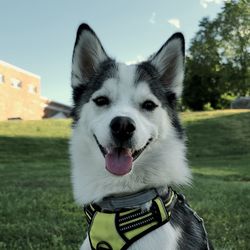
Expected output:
(37, 210)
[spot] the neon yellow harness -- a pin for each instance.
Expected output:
(117, 230)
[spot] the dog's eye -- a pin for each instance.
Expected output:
(149, 105)
(101, 101)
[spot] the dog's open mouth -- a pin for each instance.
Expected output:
(119, 160)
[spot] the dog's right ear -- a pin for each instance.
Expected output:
(87, 55)
(169, 61)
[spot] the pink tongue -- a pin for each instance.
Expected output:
(119, 163)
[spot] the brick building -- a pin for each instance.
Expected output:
(20, 96)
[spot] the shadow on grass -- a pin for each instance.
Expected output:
(37, 209)
(34, 162)
(32, 149)
(218, 137)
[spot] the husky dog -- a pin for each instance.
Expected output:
(127, 136)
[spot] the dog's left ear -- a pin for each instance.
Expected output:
(88, 54)
(169, 61)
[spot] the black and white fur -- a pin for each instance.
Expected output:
(162, 163)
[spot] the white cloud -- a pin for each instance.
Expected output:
(139, 58)
(175, 22)
(152, 18)
(205, 3)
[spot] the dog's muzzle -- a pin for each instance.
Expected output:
(119, 160)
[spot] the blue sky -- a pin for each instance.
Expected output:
(39, 35)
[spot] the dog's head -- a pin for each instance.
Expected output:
(126, 129)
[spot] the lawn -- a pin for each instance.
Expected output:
(37, 210)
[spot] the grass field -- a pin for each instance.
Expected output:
(36, 205)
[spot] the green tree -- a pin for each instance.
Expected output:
(218, 63)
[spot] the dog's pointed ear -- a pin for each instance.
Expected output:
(87, 55)
(169, 61)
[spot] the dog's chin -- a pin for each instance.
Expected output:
(119, 160)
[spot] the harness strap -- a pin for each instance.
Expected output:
(114, 203)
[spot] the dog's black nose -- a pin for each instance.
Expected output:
(122, 128)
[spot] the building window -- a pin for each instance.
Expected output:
(1, 78)
(15, 83)
(32, 89)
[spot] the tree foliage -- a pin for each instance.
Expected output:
(218, 61)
